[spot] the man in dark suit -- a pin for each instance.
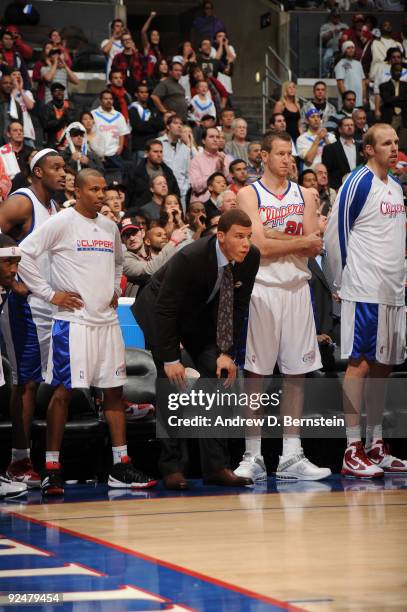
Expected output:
(342, 156)
(394, 99)
(199, 299)
(327, 321)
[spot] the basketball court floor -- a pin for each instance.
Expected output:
(332, 545)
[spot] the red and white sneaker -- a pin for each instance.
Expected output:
(357, 464)
(23, 471)
(135, 411)
(380, 456)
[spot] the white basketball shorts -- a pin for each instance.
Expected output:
(374, 331)
(281, 330)
(82, 356)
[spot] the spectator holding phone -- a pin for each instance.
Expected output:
(56, 70)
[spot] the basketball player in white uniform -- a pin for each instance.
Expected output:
(87, 347)
(365, 242)
(26, 321)
(9, 258)
(281, 325)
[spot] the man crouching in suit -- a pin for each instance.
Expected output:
(185, 303)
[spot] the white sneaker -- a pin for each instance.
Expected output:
(8, 488)
(298, 467)
(252, 466)
(380, 455)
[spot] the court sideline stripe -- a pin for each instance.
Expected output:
(166, 564)
(104, 516)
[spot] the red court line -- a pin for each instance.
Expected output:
(166, 564)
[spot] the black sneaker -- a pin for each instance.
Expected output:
(125, 476)
(51, 481)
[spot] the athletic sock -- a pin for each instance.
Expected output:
(253, 446)
(353, 434)
(291, 445)
(119, 452)
(17, 454)
(373, 434)
(52, 457)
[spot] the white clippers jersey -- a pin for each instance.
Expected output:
(86, 258)
(285, 213)
(365, 239)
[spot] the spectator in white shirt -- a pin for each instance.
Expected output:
(202, 103)
(330, 34)
(310, 144)
(26, 101)
(349, 74)
(110, 129)
(113, 45)
(176, 154)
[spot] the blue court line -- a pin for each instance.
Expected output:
(117, 566)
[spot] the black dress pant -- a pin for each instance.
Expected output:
(213, 451)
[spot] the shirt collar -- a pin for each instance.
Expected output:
(220, 257)
(346, 144)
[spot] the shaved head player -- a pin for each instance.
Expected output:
(26, 320)
(87, 347)
(281, 325)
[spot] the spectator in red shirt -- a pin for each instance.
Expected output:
(358, 34)
(13, 57)
(150, 42)
(37, 76)
(130, 62)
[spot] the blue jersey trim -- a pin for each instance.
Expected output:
(257, 194)
(281, 195)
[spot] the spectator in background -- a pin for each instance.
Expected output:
(210, 65)
(383, 74)
(172, 214)
(113, 45)
(238, 173)
(9, 109)
(226, 201)
(15, 137)
(293, 169)
(57, 71)
(362, 5)
(320, 102)
(78, 154)
(188, 54)
(140, 263)
(88, 122)
(176, 154)
(188, 139)
(403, 36)
(130, 63)
(55, 39)
(226, 54)
(330, 34)
(66, 197)
(358, 34)
(312, 142)
(206, 122)
(207, 24)
(113, 200)
(140, 174)
(394, 100)
(277, 124)
(218, 92)
(350, 76)
(202, 103)
(289, 106)
(107, 212)
(206, 163)
(145, 121)
(20, 12)
(170, 95)
(327, 195)
(160, 72)
(121, 97)
(348, 106)
(150, 42)
(196, 219)
(227, 117)
(13, 57)
(57, 115)
(360, 120)
(380, 46)
(37, 75)
(342, 156)
(308, 179)
(216, 183)
(255, 168)
(238, 146)
(158, 192)
(25, 100)
(111, 129)
(23, 48)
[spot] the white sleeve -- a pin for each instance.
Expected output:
(339, 72)
(118, 260)
(302, 146)
(38, 242)
(123, 127)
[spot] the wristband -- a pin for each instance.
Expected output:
(174, 242)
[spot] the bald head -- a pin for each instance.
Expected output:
(376, 132)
